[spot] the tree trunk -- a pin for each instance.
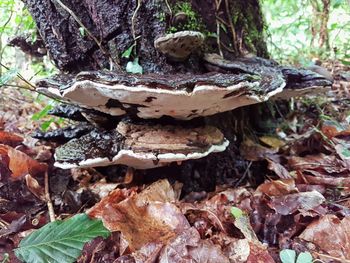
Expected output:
(93, 34)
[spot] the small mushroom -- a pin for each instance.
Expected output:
(179, 45)
(141, 146)
(179, 19)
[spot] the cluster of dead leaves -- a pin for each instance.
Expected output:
(307, 209)
(21, 189)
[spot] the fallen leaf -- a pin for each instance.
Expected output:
(272, 142)
(188, 247)
(303, 202)
(34, 187)
(142, 218)
(10, 139)
(21, 164)
(330, 234)
(277, 187)
(321, 163)
(255, 152)
(279, 169)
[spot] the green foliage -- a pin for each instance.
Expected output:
(127, 53)
(8, 76)
(236, 212)
(289, 256)
(60, 241)
(289, 30)
(82, 31)
(194, 22)
(134, 67)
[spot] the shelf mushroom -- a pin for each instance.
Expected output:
(294, 82)
(178, 46)
(140, 146)
(152, 96)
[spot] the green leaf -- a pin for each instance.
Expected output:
(82, 31)
(346, 153)
(304, 257)
(287, 256)
(41, 114)
(8, 76)
(60, 241)
(127, 53)
(134, 67)
(345, 62)
(236, 212)
(46, 124)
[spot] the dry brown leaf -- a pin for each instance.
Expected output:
(303, 202)
(21, 164)
(323, 164)
(10, 139)
(34, 187)
(279, 170)
(259, 254)
(330, 234)
(272, 142)
(188, 247)
(142, 218)
(255, 152)
(331, 130)
(277, 187)
(328, 180)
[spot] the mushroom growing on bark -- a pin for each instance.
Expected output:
(108, 96)
(141, 146)
(150, 96)
(178, 46)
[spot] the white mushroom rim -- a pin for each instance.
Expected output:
(203, 100)
(143, 160)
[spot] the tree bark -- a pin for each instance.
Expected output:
(93, 34)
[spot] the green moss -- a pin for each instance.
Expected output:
(161, 16)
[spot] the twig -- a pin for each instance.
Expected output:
(133, 20)
(21, 78)
(48, 199)
(168, 6)
(218, 40)
(2, 49)
(231, 25)
(244, 175)
(87, 31)
(228, 48)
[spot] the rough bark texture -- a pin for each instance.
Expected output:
(237, 24)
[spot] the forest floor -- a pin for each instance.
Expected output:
(303, 203)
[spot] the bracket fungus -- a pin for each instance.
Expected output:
(293, 82)
(141, 146)
(180, 96)
(178, 46)
(107, 98)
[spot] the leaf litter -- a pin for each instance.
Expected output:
(302, 205)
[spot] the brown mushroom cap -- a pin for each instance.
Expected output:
(141, 146)
(179, 45)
